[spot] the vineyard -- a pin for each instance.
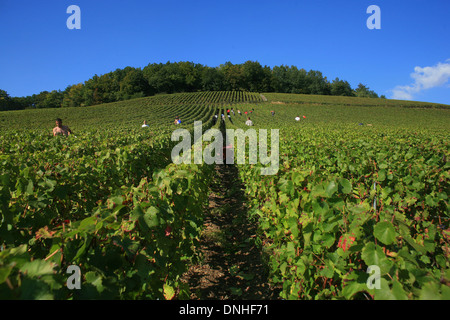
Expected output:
(346, 101)
(361, 182)
(209, 97)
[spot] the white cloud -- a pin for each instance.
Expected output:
(424, 79)
(402, 93)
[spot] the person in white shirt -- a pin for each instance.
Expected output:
(249, 122)
(297, 118)
(145, 124)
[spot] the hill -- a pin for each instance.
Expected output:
(160, 110)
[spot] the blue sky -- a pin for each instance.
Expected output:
(409, 57)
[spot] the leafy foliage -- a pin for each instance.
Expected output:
(350, 197)
(183, 76)
(346, 197)
(113, 204)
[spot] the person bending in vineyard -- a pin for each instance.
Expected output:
(60, 129)
(249, 122)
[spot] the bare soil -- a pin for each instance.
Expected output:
(231, 264)
(277, 102)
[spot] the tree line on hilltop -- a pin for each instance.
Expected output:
(175, 77)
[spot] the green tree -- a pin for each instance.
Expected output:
(191, 74)
(185, 76)
(317, 83)
(53, 99)
(163, 78)
(341, 88)
(3, 95)
(282, 82)
(233, 76)
(73, 96)
(300, 81)
(364, 92)
(212, 79)
(253, 76)
(39, 99)
(5, 101)
(21, 103)
(267, 82)
(134, 85)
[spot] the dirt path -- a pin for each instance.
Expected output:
(231, 266)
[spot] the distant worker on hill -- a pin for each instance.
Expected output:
(297, 118)
(273, 113)
(177, 120)
(60, 129)
(239, 111)
(145, 125)
(249, 122)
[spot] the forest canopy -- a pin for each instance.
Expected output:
(176, 77)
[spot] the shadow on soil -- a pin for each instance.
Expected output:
(231, 264)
